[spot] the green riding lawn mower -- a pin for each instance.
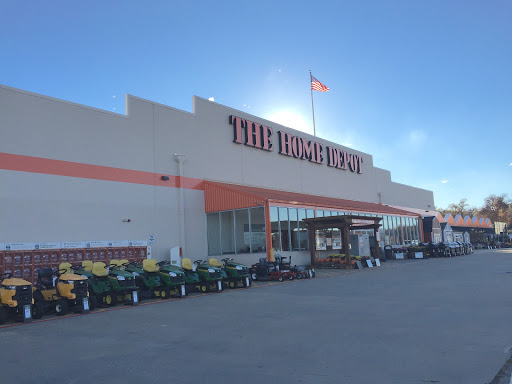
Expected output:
(60, 291)
(109, 285)
(234, 275)
(16, 299)
(148, 279)
(202, 276)
(173, 277)
(122, 282)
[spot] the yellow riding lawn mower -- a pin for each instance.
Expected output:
(61, 291)
(15, 299)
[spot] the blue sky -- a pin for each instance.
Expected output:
(423, 86)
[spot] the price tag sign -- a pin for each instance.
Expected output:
(86, 304)
(27, 312)
(247, 282)
(219, 285)
(183, 293)
(135, 297)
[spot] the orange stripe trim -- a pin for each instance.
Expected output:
(21, 163)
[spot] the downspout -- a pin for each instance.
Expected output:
(181, 202)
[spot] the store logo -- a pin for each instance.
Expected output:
(259, 136)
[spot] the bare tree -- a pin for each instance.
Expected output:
(497, 208)
(461, 208)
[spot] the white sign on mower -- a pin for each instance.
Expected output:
(27, 312)
(377, 262)
(369, 263)
(86, 304)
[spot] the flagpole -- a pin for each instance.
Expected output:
(312, 106)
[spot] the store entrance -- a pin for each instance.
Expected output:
(351, 234)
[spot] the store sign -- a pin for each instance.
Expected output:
(360, 221)
(259, 136)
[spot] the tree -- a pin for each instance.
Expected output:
(497, 208)
(461, 208)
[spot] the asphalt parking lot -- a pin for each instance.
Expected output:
(411, 321)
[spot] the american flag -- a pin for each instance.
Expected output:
(318, 86)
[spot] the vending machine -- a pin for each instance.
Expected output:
(360, 245)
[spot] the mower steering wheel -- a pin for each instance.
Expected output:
(77, 267)
(199, 262)
(131, 264)
(6, 275)
(226, 259)
(111, 266)
(161, 263)
(58, 272)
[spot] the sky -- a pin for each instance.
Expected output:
(425, 87)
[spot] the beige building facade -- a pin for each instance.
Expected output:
(69, 172)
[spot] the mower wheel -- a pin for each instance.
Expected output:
(3, 315)
(290, 277)
(37, 310)
(108, 298)
(61, 307)
(164, 293)
(299, 275)
(254, 276)
(93, 302)
(38, 307)
(205, 288)
(232, 284)
(280, 278)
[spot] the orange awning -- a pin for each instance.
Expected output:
(222, 197)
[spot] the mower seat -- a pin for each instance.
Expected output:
(67, 267)
(149, 265)
(123, 262)
(99, 269)
(214, 262)
(186, 263)
(87, 264)
(45, 278)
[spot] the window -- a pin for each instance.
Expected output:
(243, 238)
(213, 233)
(258, 236)
(294, 229)
(408, 227)
(274, 228)
(285, 229)
(227, 229)
(303, 232)
(238, 231)
(400, 230)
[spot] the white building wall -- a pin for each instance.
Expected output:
(38, 207)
